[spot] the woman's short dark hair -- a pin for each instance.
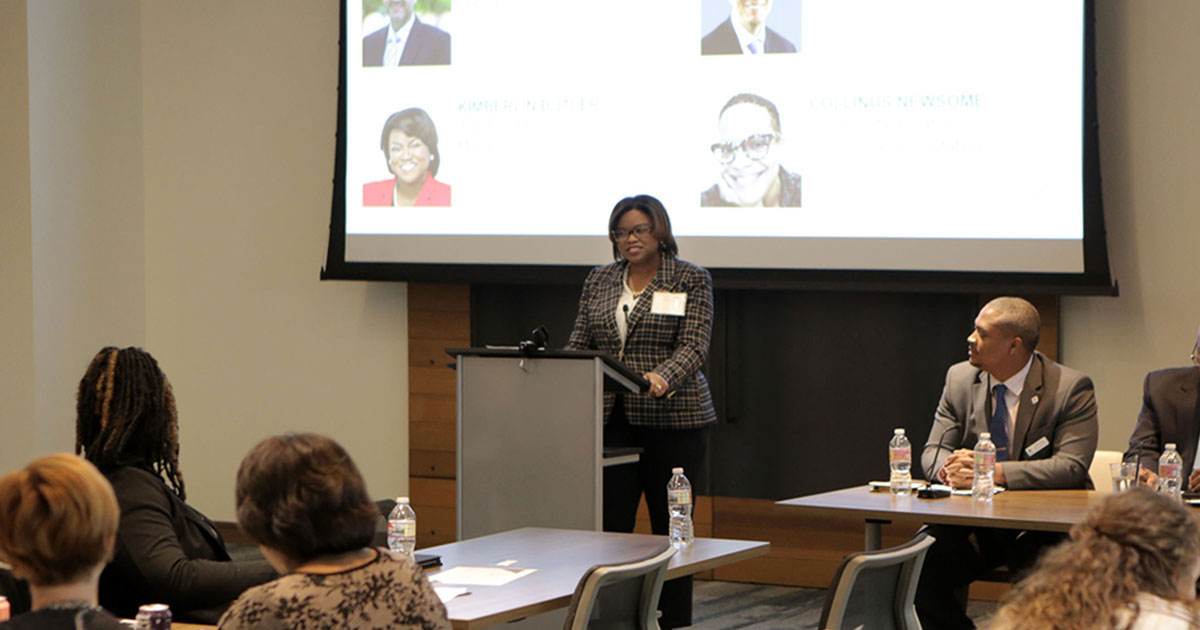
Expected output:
(658, 216)
(415, 123)
(301, 494)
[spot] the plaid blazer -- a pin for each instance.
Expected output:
(671, 346)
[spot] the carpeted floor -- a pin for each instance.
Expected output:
(738, 606)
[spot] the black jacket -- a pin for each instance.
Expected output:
(169, 553)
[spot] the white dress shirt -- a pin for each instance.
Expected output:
(745, 38)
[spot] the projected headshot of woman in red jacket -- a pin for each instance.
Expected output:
(166, 551)
(409, 142)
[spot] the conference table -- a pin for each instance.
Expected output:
(560, 557)
(1038, 510)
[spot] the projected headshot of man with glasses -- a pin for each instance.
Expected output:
(747, 153)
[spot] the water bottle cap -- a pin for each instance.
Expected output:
(401, 499)
(1170, 446)
(677, 470)
(898, 432)
(985, 436)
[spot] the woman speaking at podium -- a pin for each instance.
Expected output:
(654, 312)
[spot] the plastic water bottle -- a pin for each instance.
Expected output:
(402, 528)
(900, 458)
(1170, 472)
(679, 506)
(984, 486)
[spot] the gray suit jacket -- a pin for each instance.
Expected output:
(1170, 413)
(1057, 403)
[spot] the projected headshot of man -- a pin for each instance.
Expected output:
(747, 154)
(406, 40)
(745, 32)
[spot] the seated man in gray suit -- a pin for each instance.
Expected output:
(1042, 417)
(406, 40)
(1170, 413)
(745, 32)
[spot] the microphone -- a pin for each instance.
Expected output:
(928, 492)
(625, 307)
(530, 347)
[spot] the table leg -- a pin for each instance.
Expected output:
(875, 533)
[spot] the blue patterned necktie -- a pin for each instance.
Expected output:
(999, 424)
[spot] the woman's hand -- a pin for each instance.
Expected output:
(658, 385)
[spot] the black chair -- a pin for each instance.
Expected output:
(875, 589)
(621, 596)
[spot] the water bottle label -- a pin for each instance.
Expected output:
(900, 455)
(679, 497)
(1170, 470)
(984, 459)
(404, 529)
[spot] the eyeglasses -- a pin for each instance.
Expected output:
(640, 230)
(753, 147)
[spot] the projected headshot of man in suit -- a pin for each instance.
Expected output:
(745, 32)
(747, 153)
(406, 40)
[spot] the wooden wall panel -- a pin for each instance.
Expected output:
(439, 317)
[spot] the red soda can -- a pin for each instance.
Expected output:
(154, 617)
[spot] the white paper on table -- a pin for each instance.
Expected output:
(966, 492)
(447, 593)
(479, 576)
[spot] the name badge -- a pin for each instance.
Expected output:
(1037, 446)
(669, 303)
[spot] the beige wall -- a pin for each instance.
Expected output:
(1149, 103)
(240, 104)
(85, 132)
(17, 426)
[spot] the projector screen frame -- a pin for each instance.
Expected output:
(1096, 278)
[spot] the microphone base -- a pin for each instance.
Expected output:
(932, 493)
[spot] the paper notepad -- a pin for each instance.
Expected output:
(479, 576)
(447, 593)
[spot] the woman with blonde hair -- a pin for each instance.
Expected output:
(58, 525)
(1131, 564)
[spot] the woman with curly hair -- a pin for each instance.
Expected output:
(1131, 564)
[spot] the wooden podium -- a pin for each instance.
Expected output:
(531, 437)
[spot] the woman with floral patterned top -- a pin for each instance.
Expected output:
(302, 499)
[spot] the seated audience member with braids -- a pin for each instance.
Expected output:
(302, 499)
(58, 523)
(1131, 564)
(167, 552)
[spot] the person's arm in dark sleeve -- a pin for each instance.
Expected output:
(150, 554)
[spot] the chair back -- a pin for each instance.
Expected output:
(620, 596)
(875, 589)
(1099, 472)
